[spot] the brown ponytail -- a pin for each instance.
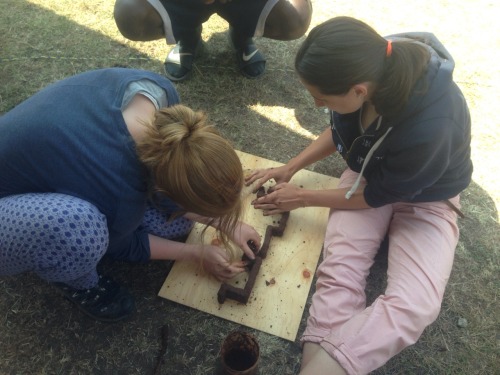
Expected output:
(343, 52)
(407, 63)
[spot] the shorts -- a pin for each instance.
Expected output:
(180, 18)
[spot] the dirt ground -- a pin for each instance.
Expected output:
(45, 40)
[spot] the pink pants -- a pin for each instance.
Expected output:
(422, 241)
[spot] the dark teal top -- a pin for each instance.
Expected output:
(71, 138)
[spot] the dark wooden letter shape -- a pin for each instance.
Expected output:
(243, 294)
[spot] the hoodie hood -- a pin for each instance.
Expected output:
(422, 154)
(438, 78)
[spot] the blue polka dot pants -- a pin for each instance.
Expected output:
(159, 223)
(62, 238)
(59, 237)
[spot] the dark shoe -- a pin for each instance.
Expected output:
(107, 302)
(179, 62)
(251, 62)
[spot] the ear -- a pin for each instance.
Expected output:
(361, 89)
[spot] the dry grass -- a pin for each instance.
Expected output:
(45, 40)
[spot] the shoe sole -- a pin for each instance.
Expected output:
(197, 53)
(102, 319)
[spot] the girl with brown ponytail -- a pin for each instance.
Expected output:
(403, 127)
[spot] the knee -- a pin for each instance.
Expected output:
(131, 17)
(430, 312)
(293, 19)
(413, 315)
(298, 20)
(78, 227)
(56, 228)
(72, 240)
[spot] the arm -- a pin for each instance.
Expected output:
(320, 148)
(163, 249)
(287, 197)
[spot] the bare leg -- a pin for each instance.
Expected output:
(316, 361)
(288, 20)
(138, 20)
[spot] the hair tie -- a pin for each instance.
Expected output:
(388, 50)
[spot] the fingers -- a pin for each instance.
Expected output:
(252, 176)
(274, 211)
(226, 271)
(258, 174)
(251, 248)
(273, 207)
(266, 202)
(269, 204)
(257, 180)
(254, 242)
(248, 252)
(267, 207)
(282, 198)
(247, 238)
(273, 193)
(270, 208)
(220, 266)
(238, 266)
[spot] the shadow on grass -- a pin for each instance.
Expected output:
(254, 113)
(42, 333)
(42, 47)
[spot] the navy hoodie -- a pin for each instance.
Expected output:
(71, 138)
(423, 154)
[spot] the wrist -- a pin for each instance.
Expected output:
(192, 253)
(293, 166)
(303, 198)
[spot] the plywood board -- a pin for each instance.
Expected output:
(279, 296)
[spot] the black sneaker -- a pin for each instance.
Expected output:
(251, 62)
(180, 59)
(107, 302)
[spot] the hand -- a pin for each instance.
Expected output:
(243, 233)
(280, 174)
(284, 197)
(215, 260)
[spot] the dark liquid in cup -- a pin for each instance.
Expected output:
(239, 360)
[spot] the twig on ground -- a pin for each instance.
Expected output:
(163, 350)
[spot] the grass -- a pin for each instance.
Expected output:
(45, 40)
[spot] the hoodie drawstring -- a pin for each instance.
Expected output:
(367, 159)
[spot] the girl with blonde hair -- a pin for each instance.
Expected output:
(108, 163)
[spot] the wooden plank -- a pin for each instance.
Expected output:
(279, 296)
